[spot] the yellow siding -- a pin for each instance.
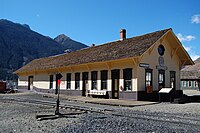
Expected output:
(151, 58)
(41, 80)
(23, 81)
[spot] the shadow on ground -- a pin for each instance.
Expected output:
(195, 98)
(188, 99)
(52, 117)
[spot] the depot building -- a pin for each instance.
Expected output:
(130, 68)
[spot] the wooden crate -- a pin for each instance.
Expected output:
(2, 86)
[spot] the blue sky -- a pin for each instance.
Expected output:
(99, 21)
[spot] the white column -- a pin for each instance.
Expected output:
(73, 81)
(109, 81)
(98, 80)
(121, 80)
(134, 79)
(89, 81)
(81, 82)
(54, 81)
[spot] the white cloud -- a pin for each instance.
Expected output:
(196, 19)
(191, 52)
(187, 48)
(187, 38)
(194, 56)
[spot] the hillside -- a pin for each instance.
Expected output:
(191, 72)
(69, 43)
(195, 67)
(19, 45)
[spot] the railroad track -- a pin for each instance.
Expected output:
(169, 118)
(62, 105)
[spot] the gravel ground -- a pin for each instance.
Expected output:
(21, 118)
(165, 117)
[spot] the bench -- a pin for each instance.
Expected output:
(97, 92)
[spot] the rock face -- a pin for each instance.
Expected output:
(19, 45)
(197, 60)
(69, 43)
(191, 72)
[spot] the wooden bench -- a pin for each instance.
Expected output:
(97, 92)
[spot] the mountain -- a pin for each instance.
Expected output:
(195, 67)
(69, 43)
(19, 45)
(192, 71)
(197, 60)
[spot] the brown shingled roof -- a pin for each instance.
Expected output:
(130, 47)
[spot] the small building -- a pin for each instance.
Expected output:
(190, 76)
(130, 68)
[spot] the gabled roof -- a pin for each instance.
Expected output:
(130, 47)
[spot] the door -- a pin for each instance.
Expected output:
(161, 79)
(115, 83)
(85, 83)
(30, 83)
(173, 80)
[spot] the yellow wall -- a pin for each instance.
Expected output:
(151, 57)
(41, 80)
(23, 81)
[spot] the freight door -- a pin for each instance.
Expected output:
(85, 83)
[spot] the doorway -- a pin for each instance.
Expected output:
(115, 83)
(161, 79)
(85, 83)
(30, 83)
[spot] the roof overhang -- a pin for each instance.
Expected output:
(179, 49)
(88, 66)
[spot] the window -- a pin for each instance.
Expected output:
(77, 81)
(161, 50)
(104, 77)
(68, 80)
(196, 83)
(173, 79)
(148, 79)
(189, 83)
(94, 80)
(161, 79)
(184, 83)
(51, 82)
(127, 74)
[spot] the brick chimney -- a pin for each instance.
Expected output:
(122, 34)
